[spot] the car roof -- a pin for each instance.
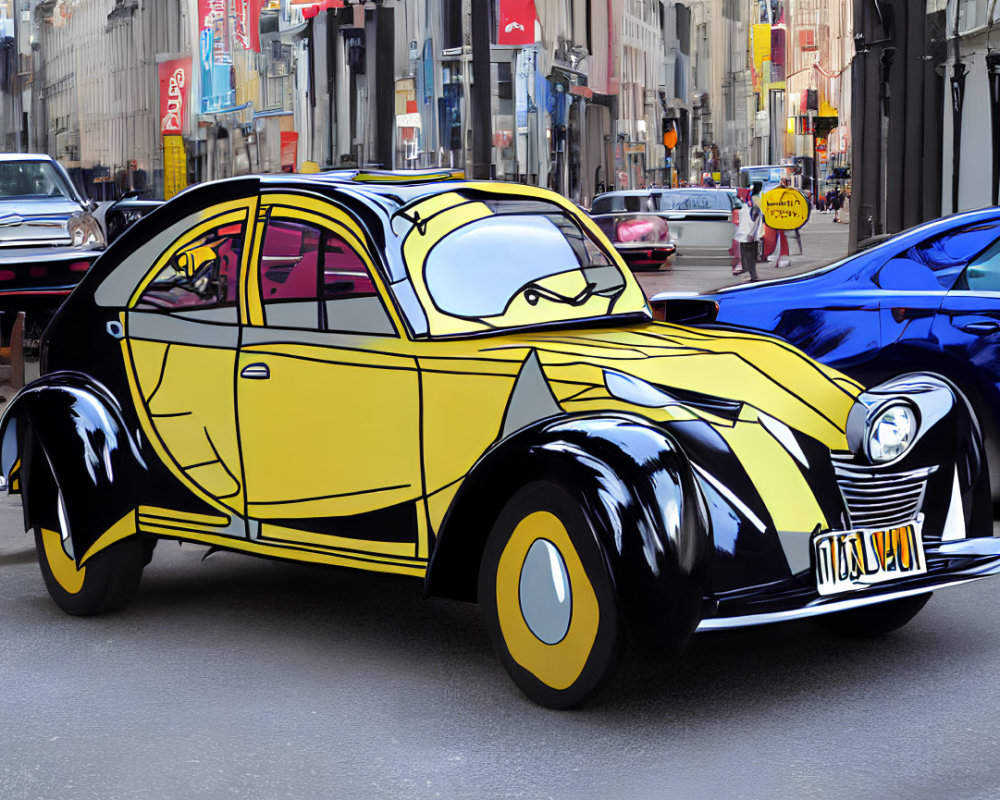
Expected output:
(627, 193)
(25, 157)
(387, 189)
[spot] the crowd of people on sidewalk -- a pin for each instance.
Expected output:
(833, 202)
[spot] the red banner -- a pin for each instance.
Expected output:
(246, 23)
(289, 151)
(175, 78)
(517, 22)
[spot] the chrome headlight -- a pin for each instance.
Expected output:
(891, 430)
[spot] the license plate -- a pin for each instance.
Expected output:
(851, 560)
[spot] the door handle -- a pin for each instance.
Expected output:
(981, 328)
(258, 372)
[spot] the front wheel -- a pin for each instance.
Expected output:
(548, 599)
(875, 620)
(109, 580)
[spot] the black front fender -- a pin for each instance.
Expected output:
(72, 438)
(638, 494)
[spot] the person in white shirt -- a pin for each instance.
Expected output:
(749, 230)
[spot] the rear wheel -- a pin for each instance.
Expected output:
(548, 599)
(875, 620)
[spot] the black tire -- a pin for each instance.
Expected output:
(874, 620)
(571, 649)
(108, 581)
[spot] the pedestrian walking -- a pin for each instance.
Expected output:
(831, 198)
(838, 202)
(749, 230)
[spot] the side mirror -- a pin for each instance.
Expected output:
(684, 310)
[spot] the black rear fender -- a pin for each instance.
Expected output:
(72, 441)
(638, 494)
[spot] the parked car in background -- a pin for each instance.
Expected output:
(459, 381)
(701, 222)
(927, 299)
(639, 233)
(49, 236)
(37, 202)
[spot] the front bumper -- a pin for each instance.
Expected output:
(950, 564)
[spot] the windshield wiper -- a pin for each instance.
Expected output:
(533, 293)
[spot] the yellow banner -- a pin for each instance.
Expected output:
(174, 166)
(761, 46)
(785, 209)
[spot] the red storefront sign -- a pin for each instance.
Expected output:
(517, 22)
(175, 78)
(246, 23)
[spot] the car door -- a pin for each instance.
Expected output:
(181, 334)
(328, 395)
(968, 323)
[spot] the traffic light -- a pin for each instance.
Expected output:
(669, 131)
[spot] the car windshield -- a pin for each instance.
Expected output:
(680, 200)
(31, 179)
(523, 263)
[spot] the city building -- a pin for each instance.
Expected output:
(578, 95)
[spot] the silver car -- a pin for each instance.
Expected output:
(37, 202)
(702, 222)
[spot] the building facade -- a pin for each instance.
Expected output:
(572, 94)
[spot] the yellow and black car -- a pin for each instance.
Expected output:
(461, 382)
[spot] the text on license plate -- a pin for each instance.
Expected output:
(856, 559)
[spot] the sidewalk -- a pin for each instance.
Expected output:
(823, 241)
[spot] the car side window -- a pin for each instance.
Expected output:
(312, 279)
(945, 256)
(983, 272)
(202, 274)
(289, 274)
(351, 303)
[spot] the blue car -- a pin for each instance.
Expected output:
(927, 299)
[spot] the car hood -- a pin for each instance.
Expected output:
(35, 221)
(747, 369)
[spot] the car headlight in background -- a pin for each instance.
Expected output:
(84, 231)
(891, 430)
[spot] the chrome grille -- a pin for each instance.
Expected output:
(881, 500)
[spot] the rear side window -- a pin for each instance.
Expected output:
(202, 274)
(946, 255)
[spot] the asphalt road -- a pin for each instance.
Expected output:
(823, 241)
(240, 677)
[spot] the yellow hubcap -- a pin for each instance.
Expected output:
(557, 665)
(63, 567)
